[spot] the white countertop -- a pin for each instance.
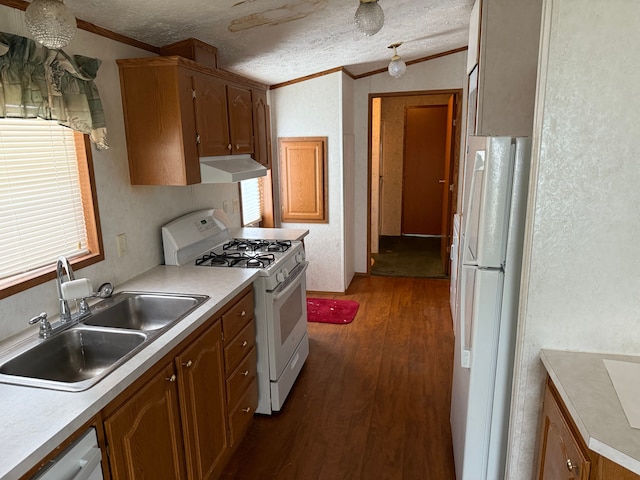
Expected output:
(269, 233)
(34, 421)
(586, 389)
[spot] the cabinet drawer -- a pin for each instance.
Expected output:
(240, 418)
(237, 317)
(241, 377)
(236, 349)
(561, 455)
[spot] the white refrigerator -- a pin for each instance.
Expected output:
(491, 246)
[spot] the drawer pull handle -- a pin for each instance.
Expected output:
(244, 344)
(188, 364)
(246, 410)
(243, 313)
(570, 466)
(245, 373)
(172, 378)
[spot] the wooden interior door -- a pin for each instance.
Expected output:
(423, 169)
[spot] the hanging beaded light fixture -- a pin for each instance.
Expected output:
(51, 23)
(369, 17)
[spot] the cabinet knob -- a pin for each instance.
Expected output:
(188, 364)
(172, 378)
(243, 313)
(244, 344)
(570, 466)
(237, 147)
(198, 139)
(229, 147)
(246, 410)
(245, 373)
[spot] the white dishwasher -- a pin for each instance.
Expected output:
(80, 461)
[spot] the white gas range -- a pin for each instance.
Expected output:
(201, 239)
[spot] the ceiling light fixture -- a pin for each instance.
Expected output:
(396, 66)
(51, 23)
(369, 17)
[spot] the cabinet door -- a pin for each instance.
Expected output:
(561, 457)
(240, 119)
(261, 128)
(144, 435)
(201, 383)
(211, 116)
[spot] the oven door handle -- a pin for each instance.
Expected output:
(290, 282)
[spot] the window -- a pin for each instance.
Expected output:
(47, 202)
(252, 200)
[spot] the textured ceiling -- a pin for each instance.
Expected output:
(274, 41)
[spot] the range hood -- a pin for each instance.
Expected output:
(230, 168)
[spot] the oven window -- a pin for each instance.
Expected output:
(290, 313)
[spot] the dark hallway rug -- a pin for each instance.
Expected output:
(328, 310)
(405, 256)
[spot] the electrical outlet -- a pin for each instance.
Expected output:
(225, 206)
(121, 240)
(236, 205)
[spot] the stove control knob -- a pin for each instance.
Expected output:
(299, 257)
(280, 277)
(286, 272)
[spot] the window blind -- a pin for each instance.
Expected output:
(251, 197)
(41, 212)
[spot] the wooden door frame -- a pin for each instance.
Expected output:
(455, 163)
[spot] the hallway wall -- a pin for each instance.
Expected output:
(442, 73)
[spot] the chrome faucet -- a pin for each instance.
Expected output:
(63, 264)
(64, 273)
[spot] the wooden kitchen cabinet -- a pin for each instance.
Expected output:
(261, 128)
(202, 403)
(211, 116)
(144, 434)
(240, 111)
(562, 452)
(240, 364)
(160, 124)
(184, 417)
(176, 111)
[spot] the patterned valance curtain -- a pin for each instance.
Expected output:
(38, 82)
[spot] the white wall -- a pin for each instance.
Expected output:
(348, 166)
(313, 108)
(441, 73)
(581, 274)
(137, 211)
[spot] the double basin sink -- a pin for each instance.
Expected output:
(79, 357)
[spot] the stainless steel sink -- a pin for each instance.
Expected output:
(72, 360)
(143, 311)
(79, 357)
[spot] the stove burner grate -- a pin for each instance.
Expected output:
(236, 259)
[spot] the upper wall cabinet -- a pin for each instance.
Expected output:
(261, 128)
(176, 111)
(503, 44)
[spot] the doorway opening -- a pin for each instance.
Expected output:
(414, 152)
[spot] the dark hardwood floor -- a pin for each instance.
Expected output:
(372, 401)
